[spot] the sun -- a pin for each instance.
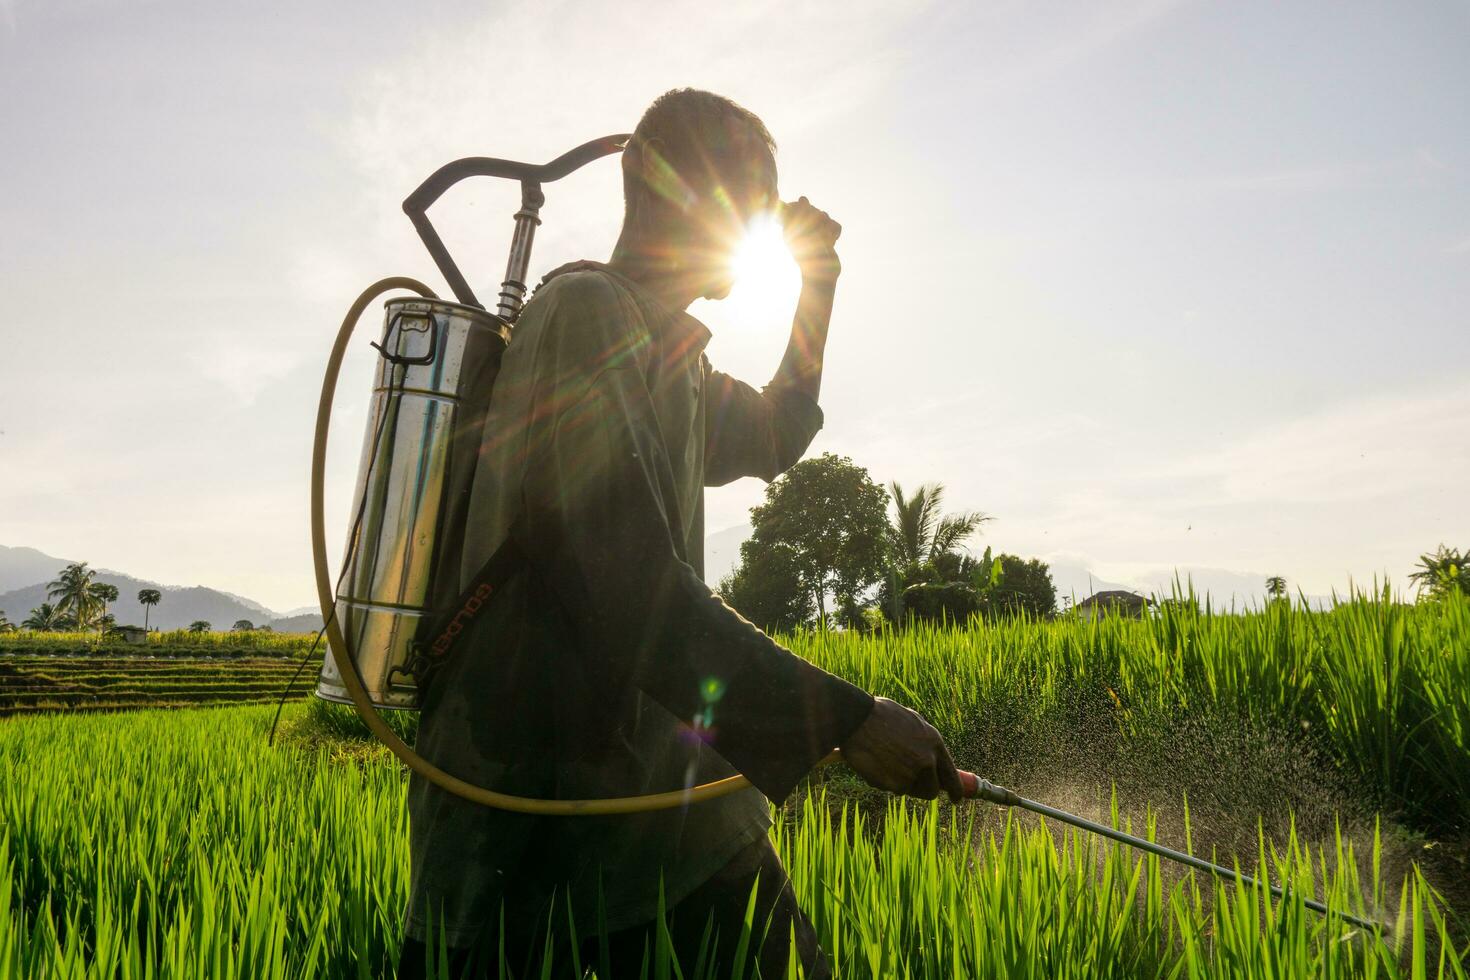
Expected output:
(767, 281)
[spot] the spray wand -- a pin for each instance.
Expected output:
(977, 788)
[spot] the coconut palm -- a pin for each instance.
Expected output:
(149, 598)
(72, 591)
(200, 626)
(45, 618)
(1443, 572)
(919, 532)
(1276, 587)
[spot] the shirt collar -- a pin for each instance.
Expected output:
(686, 332)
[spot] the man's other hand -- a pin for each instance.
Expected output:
(896, 750)
(811, 235)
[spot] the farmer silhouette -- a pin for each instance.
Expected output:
(606, 667)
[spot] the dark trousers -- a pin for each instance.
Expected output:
(720, 903)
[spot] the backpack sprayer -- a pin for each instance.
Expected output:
(413, 485)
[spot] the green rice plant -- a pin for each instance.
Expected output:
(179, 845)
(1382, 688)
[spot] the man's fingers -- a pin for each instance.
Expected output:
(926, 786)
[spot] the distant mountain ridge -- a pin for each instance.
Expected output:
(178, 607)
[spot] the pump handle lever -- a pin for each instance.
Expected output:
(531, 177)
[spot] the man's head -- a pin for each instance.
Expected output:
(696, 170)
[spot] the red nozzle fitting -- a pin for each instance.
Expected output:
(983, 789)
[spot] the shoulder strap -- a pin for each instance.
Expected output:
(437, 636)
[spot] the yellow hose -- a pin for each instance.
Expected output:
(337, 643)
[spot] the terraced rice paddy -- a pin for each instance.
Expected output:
(31, 684)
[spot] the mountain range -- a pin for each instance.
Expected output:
(25, 573)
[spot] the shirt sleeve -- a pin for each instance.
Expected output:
(598, 495)
(754, 433)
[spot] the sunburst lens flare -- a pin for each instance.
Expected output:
(767, 280)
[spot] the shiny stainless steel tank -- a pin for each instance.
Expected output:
(437, 362)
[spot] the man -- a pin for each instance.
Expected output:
(606, 667)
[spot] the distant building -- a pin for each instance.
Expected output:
(130, 634)
(1115, 601)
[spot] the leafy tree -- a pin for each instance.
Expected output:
(104, 594)
(1442, 573)
(1021, 586)
(149, 598)
(833, 520)
(242, 626)
(200, 626)
(766, 588)
(6, 626)
(72, 591)
(1276, 587)
(45, 618)
(919, 532)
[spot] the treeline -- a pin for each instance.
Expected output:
(830, 545)
(78, 603)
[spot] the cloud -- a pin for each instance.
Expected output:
(1059, 37)
(577, 71)
(1383, 446)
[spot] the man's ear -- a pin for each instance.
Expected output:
(651, 167)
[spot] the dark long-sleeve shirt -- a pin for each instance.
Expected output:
(607, 667)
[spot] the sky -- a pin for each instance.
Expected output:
(1154, 284)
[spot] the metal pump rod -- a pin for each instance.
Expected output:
(513, 289)
(984, 789)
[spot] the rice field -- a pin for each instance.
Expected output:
(33, 684)
(25, 642)
(1323, 750)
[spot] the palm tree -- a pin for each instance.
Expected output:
(1442, 572)
(919, 533)
(6, 626)
(149, 598)
(45, 618)
(1276, 587)
(200, 626)
(72, 591)
(104, 594)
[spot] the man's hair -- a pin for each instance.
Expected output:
(698, 143)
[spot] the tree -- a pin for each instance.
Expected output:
(833, 519)
(1021, 586)
(1276, 587)
(200, 626)
(149, 598)
(924, 563)
(918, 531)
(6, 626)
(1442, 573)
(104, 594)
(242, 626)
(45, 618)
(766, 588)
(72, 591)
